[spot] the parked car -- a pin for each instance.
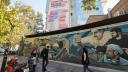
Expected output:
(13, 51)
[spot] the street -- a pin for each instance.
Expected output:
(57, 66)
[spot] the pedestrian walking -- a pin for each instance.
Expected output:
(44, 55)
(33, 60)
(85, 60)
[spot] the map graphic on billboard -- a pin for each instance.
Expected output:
(58, 14)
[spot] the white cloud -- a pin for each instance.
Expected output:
(110, 4)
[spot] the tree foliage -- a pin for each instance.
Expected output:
(39, 23)
(89, 5)
(27, 17)
(6, 2)
(14, 21)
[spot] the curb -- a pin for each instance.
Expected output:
(92, 67)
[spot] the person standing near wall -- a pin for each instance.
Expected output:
(44, 55)
(85, 60)
(34, 58)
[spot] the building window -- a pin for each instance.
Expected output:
(122, 12)
(126, 12)
(118, 13)
(71, 6)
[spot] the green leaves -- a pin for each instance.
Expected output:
(89, 5)
(6, 2)
(13, 22)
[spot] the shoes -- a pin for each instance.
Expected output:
(44, 69)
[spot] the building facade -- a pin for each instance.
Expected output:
(96, 18)
(120, 8)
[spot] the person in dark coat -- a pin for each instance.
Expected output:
(44, 55)
(3, 67)
(85, 60)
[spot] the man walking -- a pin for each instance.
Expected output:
(85, 60)
(44, 55)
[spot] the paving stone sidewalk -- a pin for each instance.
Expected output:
(57, 66)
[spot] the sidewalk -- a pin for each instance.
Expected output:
(57, 66)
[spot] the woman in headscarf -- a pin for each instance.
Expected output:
(34, 59)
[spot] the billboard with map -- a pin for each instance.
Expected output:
(58, 14)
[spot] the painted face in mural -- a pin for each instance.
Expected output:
(98, 34)
(109, 53)
(114, 34)
(126, 51)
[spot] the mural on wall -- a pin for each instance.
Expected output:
(106, 46)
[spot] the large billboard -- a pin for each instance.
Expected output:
(58, 14)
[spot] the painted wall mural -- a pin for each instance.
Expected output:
(107, 46)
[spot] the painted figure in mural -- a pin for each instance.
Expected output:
(77, 39)
(85, 60)
(77, 43)
(67, 45)
(125, 55)
(112, 55)
(120, 39)
(55, 48)
(44, 55)
(97, 40)
(99, 37)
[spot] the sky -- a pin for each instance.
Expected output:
(37, 5)
(40, 5)
(110, 4)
